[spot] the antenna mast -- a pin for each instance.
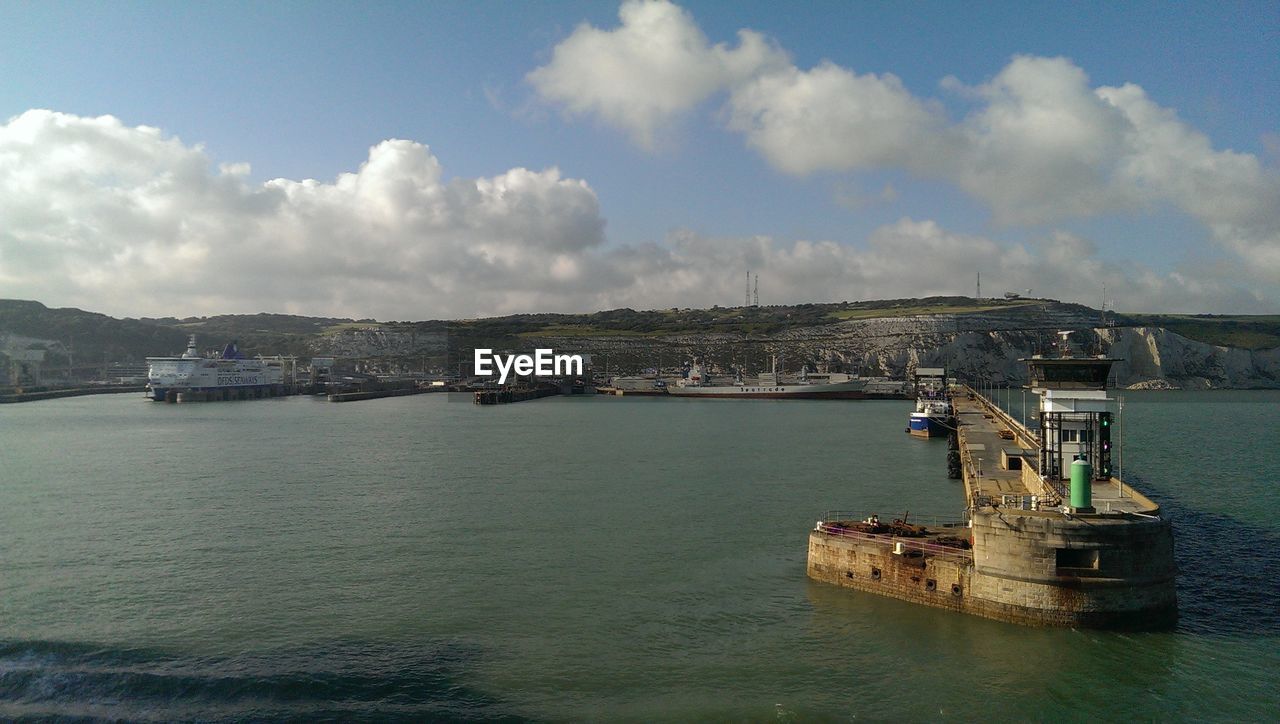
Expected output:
(979, 286)
(757, 292)
(747, 303)
(1103, 319)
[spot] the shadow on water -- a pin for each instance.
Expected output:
(947, 666)
(1228, 570)
(346, 681)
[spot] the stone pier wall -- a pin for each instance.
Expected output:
(1046, 569)
(872, 566)
(1114, 572)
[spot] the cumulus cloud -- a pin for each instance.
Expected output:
(832, 118)
(129, 221)
(106, 216)
(1042, 146)
(908, 258)
(655, 65)
(1039, 146)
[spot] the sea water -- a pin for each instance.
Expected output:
(577, 558)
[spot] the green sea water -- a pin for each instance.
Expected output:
(577, 558)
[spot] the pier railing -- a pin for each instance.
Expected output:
(898, 544)
(1022, 434)
(929, 520)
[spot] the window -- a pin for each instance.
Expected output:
(1077, 559)
(1069, 435)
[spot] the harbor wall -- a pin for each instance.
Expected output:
(51, 394)
(1096, 572)
(1014, 575)
(872, 566)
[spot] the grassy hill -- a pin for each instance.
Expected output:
(1245, 332)
(97, 338)
(92, 337)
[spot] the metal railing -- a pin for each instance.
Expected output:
(892, 542)
(929, 520)
(1022, 434)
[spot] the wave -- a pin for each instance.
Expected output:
(348, 681)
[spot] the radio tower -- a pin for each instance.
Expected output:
(747, 303)
(1102, 315)
(757, 292)
(979, 286)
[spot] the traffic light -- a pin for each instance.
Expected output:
(1104, 440)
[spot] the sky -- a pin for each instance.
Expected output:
(460, 159)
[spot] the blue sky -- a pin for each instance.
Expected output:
(673, 211)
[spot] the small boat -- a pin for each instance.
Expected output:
(932, 415)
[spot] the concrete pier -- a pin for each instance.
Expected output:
(1030, 560)
(507, 395)
(221, 394)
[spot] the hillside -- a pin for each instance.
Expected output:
(975, 337)
(89, 337)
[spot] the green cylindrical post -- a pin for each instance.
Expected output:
(1081, 484)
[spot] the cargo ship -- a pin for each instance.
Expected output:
(933, 408)
(770, 386)
(227, 376)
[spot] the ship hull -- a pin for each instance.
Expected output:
(836, 391)
(927, 426)
(173, 375)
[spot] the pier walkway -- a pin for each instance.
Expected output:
(1001, 469)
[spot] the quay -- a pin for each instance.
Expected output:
(374, 394)
(20, 395)
(223, 394)
(507, 395)
(1050, 536)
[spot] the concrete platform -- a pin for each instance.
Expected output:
(984, 455)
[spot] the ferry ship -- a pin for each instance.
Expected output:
(229, 373)
(933, 409)
(771, 386)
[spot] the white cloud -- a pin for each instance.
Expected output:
(908, 258)
(128, 221)
(831, 118)
(105, 216)
(1040, 145)
(1044, 147)
(655, 65)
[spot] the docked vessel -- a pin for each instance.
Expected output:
(640, 385)
(932, 415)
(227, 376)
(770, 386)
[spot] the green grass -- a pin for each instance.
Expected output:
(910, 311)
(1245, 332)
(351, 325)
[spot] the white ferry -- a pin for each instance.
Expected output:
(194, 373)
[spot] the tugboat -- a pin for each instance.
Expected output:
(933, 408)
